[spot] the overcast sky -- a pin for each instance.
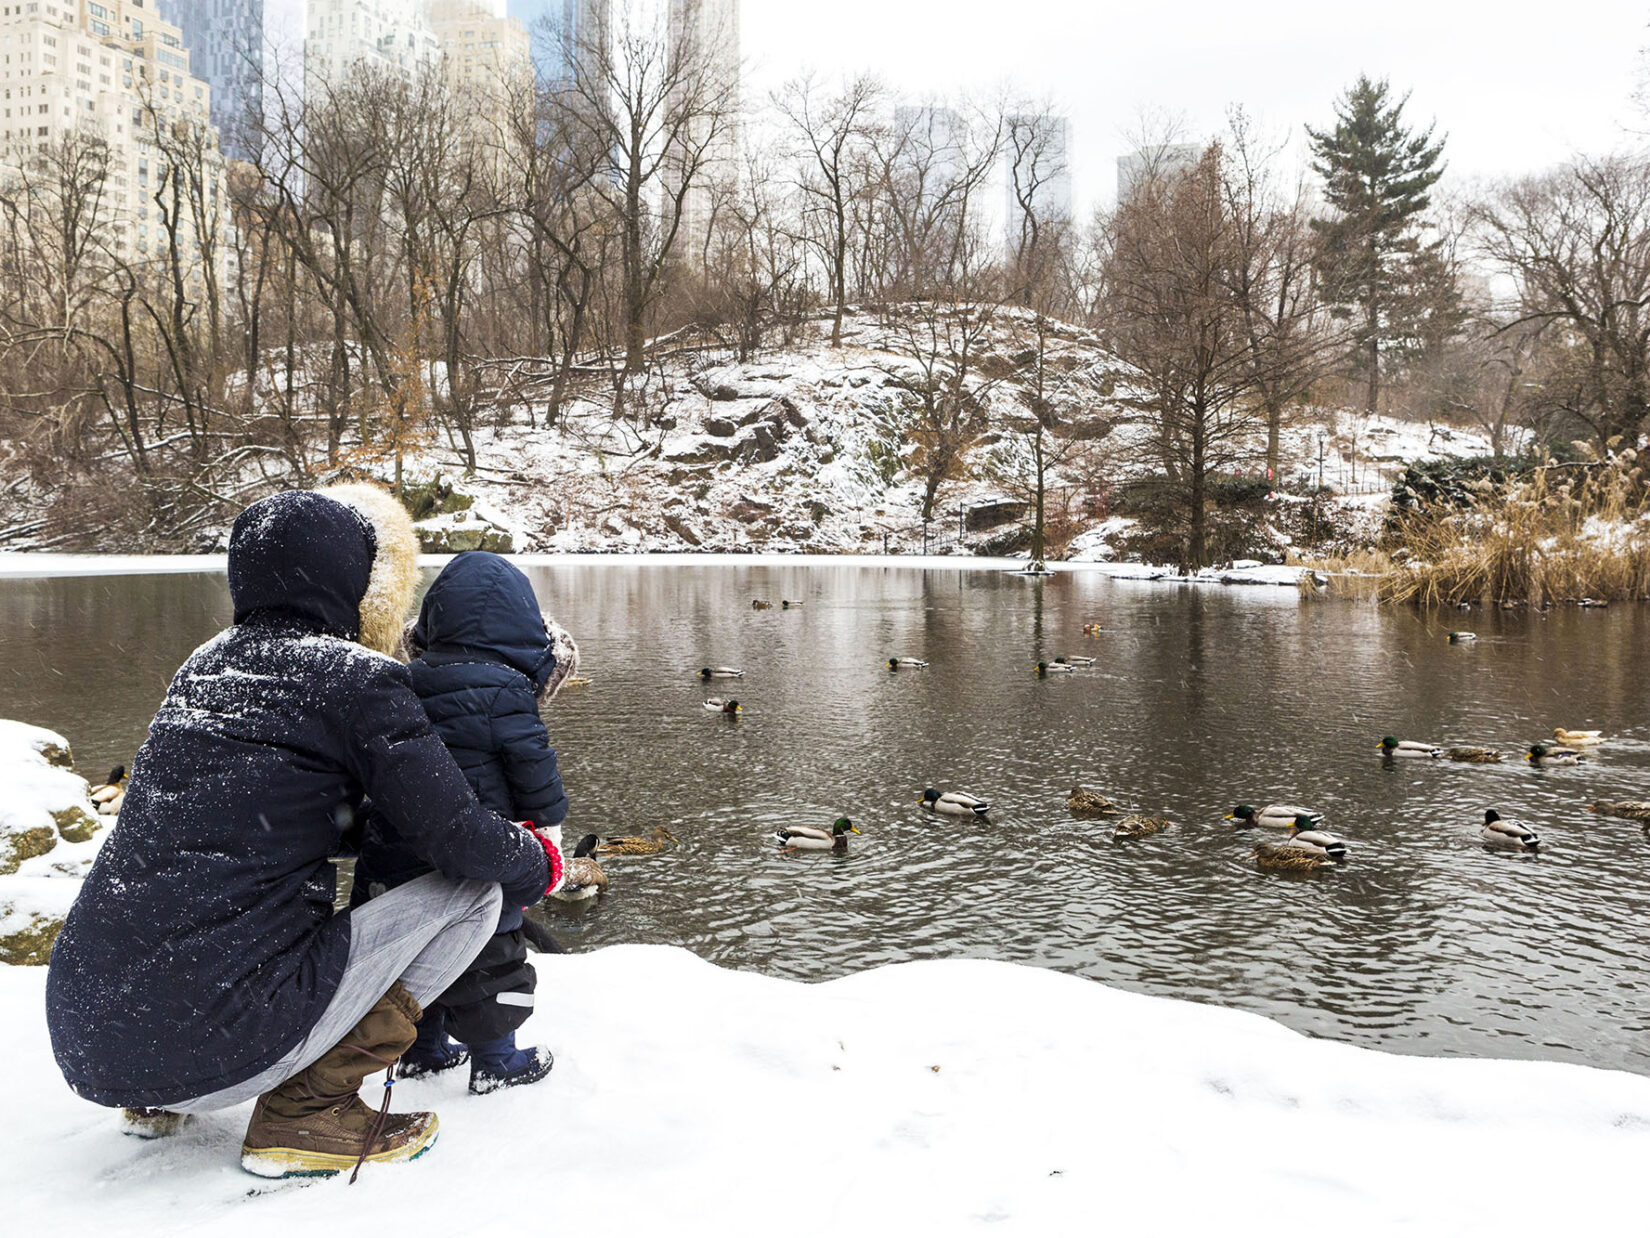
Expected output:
(1516, 87)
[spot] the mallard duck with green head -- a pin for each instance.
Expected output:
(720, 672)
(1552, 754)
(722, 705)
(1273, 816)
(906, 664)
(1321, 842)
(812, 838)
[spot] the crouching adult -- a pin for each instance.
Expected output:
(203, 964)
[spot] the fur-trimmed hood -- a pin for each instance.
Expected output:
(343, 561)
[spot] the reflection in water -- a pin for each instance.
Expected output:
(1424, 942)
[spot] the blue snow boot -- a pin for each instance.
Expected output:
(432, 1052)
(496, 1064)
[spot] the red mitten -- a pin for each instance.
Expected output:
(552, 852)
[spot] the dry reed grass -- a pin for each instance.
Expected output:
(1561, 533)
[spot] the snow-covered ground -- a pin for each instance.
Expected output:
(927, 1098)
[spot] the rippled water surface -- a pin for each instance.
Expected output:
(1424, 942)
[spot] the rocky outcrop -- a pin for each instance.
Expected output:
(465, 530)
(49, 834)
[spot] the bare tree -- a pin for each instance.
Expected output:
(1575, 242)
(834, 133)
(1169, 313)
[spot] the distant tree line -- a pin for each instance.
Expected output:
(402, 262)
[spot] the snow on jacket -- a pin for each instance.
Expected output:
(485, 656)
(203, 945)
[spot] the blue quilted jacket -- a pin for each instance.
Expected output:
(485, 656)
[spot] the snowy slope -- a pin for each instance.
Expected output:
(929, 1098)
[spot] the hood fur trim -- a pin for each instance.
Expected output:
(566, 651)
(394, 577)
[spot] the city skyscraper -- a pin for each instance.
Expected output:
(705, 34)
(251, 53)
(562, 30)
(1165, 160)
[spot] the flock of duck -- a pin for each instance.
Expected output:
(1305, 846)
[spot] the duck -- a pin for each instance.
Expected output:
(1301, 834)
(1393, 747)
(1631, 810)
(1462, 638)
(1140, 827)
(720, 672)
(1593, 603)
(718, 705)
(109, 796)
(787, 604)
(906, 664)
(1092, 629)
(635, 844)
(759, 604)
(585, 878)
(1577, 738)
(1273, 816)
(1501, 833)
(954, 802)
(1288, 858)
(1054, 668)
(1475, 756)
(1550, 754)
(1086, 803)
(812, 838)
(1076, 661)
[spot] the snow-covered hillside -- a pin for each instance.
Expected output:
(791, 452)
(927, 1098)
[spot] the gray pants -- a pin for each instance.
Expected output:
(423, 934)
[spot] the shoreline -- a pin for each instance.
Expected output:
(24, 565)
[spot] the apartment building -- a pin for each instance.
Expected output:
(481, 53)
(112, 70)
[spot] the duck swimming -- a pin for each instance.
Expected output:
(1549, 754)
(1499, 833)
(585, 878)
(1288, 858)
(1085, 803)
(1273, 816)
(906, 664)
(1475, 756)
(1577, 737)
(1140, 827)
(635, 844)
(718, 705)
(954, 802)
(1054, 668)
(1076, 661)
(1301, 834)
(721, 672)
(1393, 747)
(1629, 810)
(811, 838)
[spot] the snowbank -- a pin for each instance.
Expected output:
(928, 1098)
(49, 834)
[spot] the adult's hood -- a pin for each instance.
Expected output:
(342, 560)
(483, 605)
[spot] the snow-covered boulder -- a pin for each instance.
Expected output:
(467, 530)
(49, 834)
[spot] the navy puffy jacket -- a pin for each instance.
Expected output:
(203, 945)
(485, 657)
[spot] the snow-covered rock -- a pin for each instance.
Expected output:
(49, 833)
(926, 1098)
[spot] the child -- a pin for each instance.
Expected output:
(484, 659)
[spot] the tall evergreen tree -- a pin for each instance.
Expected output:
(1375, 267)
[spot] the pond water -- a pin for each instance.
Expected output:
(1423, 942)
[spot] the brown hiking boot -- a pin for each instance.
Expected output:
(314, 1123)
